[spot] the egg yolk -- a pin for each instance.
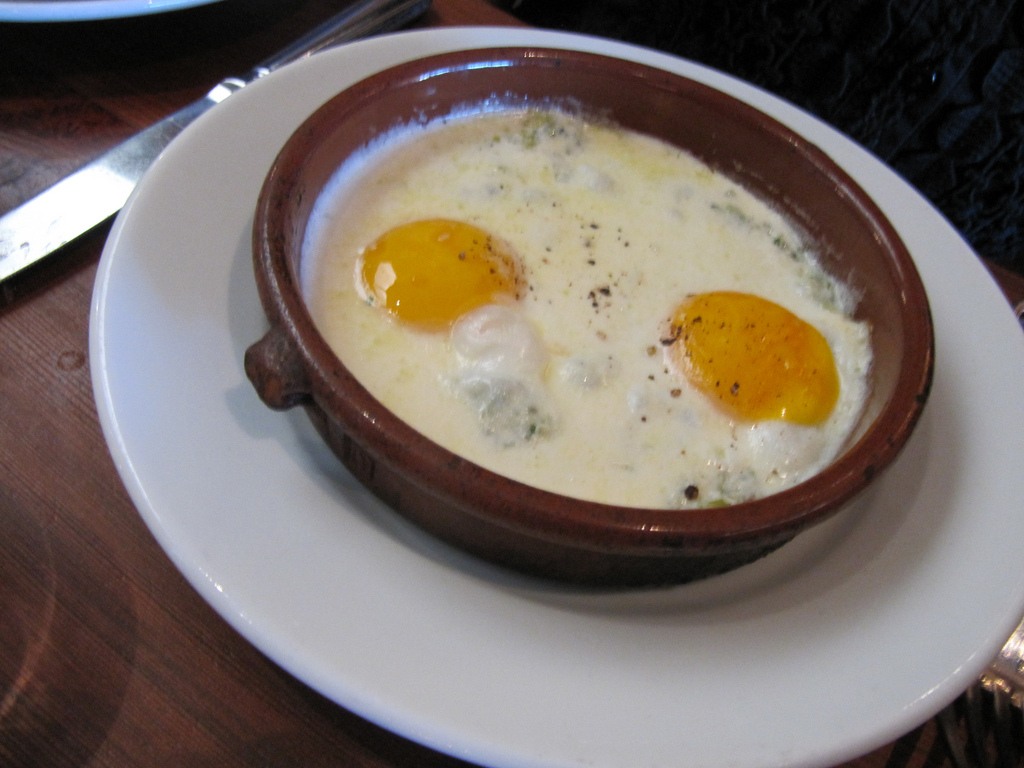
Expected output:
(755, 358)
(428, 273)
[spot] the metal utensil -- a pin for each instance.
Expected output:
(98, 190)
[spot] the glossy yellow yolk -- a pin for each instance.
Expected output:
(755, 358)
(428, 273)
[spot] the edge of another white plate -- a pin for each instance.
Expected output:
(88, 10)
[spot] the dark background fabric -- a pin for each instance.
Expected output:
(935, 88)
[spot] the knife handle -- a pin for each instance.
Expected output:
(358, 20)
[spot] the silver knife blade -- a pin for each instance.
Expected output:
(90, 195)
(98, 190)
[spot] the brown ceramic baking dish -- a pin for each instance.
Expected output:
(531, 530)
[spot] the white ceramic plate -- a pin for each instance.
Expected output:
(845, 639)
(84, 10)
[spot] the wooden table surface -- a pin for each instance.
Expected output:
(107, 656)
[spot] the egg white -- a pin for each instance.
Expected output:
(569, 388)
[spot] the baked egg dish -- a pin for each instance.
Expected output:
(586, 310)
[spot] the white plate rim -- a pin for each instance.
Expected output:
(88, 10)
(875, 705)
